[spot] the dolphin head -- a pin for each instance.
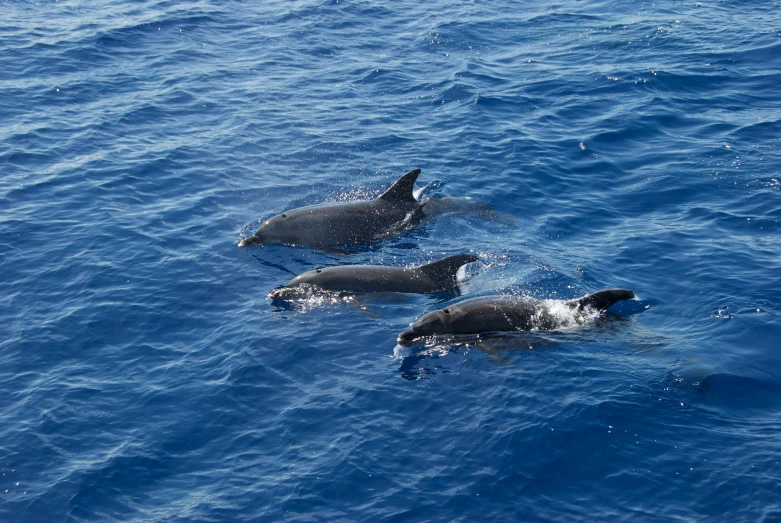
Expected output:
(437, 322)
(251, 240)
(283, 293)
(274, 230)
(300, 286)
(289, 293)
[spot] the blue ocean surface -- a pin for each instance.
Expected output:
(146, 376)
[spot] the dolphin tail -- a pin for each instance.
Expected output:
(401, 191)
(444, 271)
(602, 300)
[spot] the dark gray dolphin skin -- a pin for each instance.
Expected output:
(336, 225)
(509, 313)
(433, 277)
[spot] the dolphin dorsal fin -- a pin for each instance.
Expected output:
(445, 269)
(602, 300)
(401, 191)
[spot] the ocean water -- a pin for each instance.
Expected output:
(145, 376)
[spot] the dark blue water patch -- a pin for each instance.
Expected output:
(759, 132)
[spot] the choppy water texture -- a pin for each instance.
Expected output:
(145, 375)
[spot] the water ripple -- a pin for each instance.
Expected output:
(147, 377)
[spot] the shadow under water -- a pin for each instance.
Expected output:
(494, 344)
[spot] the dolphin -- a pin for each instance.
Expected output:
(433, 277)
(510, 313)
(335, 225)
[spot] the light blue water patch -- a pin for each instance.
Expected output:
(146, 376)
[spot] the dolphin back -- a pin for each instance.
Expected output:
(444, 271)
(602, 300)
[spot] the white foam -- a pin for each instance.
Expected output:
(561, 315)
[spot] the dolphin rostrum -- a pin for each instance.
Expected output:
(433, 277)
(510, 313)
